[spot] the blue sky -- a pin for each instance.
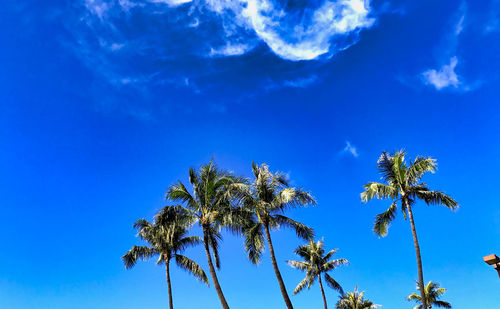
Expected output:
(104, 104)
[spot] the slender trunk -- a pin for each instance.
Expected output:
(170, 300)
(322, 291)
(419, 259)
(212, 271)
(276, 269)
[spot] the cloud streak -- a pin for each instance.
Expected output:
(445, 76)
(168, 38)
(350, 149)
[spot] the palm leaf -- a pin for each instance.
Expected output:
(333, 284)
(191, 267)
(137, 253)
(300, 229)
(383, 220)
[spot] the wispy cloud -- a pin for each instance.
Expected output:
(445, 76)
(230, 50)
(350, 149)
(493, 20)
(161, 35)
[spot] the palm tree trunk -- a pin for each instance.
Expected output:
(322, 291)
(276, 269)
(419, 259)
(212, 271)
(170, 300)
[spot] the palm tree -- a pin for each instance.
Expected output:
(403, 184)
(355, 300)
(432, 294)
(210, 206)
(167, 242)
(315, 264)
(268, 197)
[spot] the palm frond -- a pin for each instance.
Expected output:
(192, 267)
(137, 253)
(301, 285)
(333, 284)
(179, 192)
(383, 220)
(328, 266)
(414, 296)
(291, 198)
(300, 229)
(141, 224)
(254, 243)
(437, 198)
(327, 256)
(442, 304)
(186, 242)
(419, 167)
(379, 190)
(304, 266)
(385, 165)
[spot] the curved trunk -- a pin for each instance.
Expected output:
(419, 259)
(276, 269)
(212, 272)
(322, 291)
(170, 300)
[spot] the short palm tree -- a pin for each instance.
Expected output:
(166, 242)
(355, 300)
(315, 264)
(432, 294)
(268, 197)
(211, 207)
(403, 184)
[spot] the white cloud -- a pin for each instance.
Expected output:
(444, 77)
(230, 50)
(319, 30)
(171, 3)
(301, 82)
(350, 149)
(310, 37)
(97, 7)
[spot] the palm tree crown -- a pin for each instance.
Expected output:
(432, 294)
(403, 183)
(268, 197)
(210, 205)
(166, 242)
(316, 263)
(355, 300)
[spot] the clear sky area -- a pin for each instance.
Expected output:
(105, 103)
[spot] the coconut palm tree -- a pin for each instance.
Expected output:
(166, 242)
(315, 264)
(268, 197)
(432, 294)
(355, 300)
(210, 206)
(403, 184)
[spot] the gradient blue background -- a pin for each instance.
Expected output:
(82, 159)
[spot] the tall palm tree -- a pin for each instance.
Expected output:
(315, 264)
(210, 206)
(403, 184)
(432, 294)
(268, 197)
(355, 300)
(166, 242)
